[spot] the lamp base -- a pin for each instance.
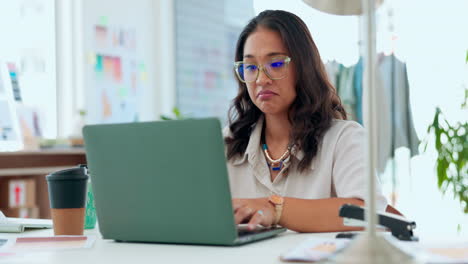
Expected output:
(367, 249)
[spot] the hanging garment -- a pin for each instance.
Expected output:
(393, 95)
(332, 68)
(343, 79)
(345, 88)
(358, 74)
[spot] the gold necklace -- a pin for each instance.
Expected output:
(276, 165)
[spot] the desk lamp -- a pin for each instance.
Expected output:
(368, 247)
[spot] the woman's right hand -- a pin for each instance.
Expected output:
(254, 212)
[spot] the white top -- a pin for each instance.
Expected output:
(337, 170)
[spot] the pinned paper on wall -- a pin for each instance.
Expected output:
(99, 65)
(120, 37)
(108, 65)
(106, 106)
(134, 82)
(115, 39)
(123, 92)
(100, 35)
(117, 72)
(132, 39)
(103, 20)
(143, 73)
(211, 80)
(91, 58)
(14, 81)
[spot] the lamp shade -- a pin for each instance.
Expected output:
(339, 7)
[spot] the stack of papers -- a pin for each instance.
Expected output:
(40, 244)
(456, 253)
(316, 249)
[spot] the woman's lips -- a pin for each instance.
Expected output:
(266, 94)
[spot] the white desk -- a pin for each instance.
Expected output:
(108, 251)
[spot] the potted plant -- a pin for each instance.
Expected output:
(451, 143)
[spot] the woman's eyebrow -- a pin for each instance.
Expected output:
(271, 54)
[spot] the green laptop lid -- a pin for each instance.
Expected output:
(163, 181)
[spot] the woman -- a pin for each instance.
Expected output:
(293, 159)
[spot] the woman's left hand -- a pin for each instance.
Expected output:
(255, 212)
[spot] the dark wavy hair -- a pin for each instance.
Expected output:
(316, 103)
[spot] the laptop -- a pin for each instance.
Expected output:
(165, 182)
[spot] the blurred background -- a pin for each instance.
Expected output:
(68, 63)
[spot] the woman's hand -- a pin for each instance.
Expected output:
(254, 212)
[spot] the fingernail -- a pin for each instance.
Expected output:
(251, 227)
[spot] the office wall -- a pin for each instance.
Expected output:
(206, 35)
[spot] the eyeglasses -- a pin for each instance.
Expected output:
(276, 69)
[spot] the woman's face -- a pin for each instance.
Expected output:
(270, 96)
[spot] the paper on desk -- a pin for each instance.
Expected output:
(455, 253)
(35, 244)
(5, 243)
(452, 252)
(314, 249)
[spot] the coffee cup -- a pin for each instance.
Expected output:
(67, 195)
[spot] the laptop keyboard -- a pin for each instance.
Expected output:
(242, 231)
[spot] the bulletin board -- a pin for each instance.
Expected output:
(117, 49)
(206, 35)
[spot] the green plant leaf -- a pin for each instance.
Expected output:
(166, 118)
(176, 112)
(177, 115)
(451, 165)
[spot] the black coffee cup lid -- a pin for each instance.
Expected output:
(78, 173)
